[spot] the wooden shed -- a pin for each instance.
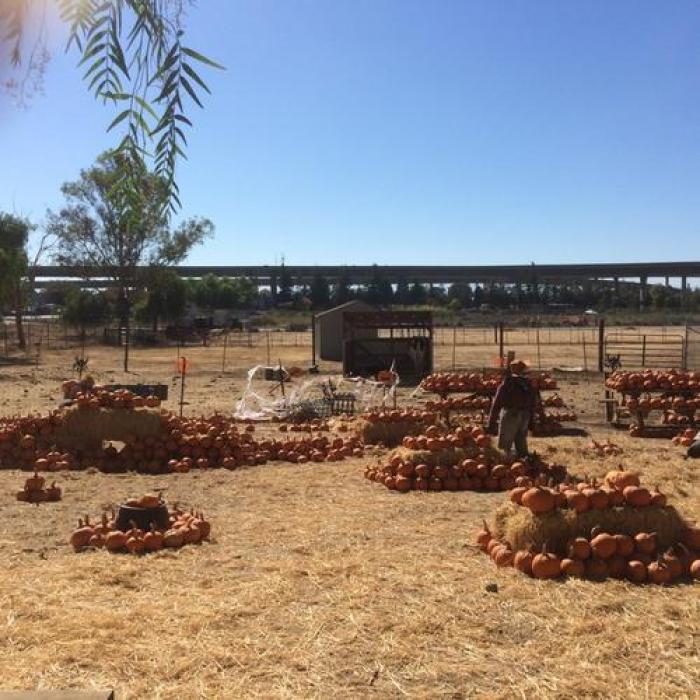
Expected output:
(329, 330)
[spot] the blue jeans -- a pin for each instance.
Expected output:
(515, 423)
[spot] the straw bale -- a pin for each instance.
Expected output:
(521, 528)
(87, 427)
(388, 433)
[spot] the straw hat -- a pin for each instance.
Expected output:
(518, 366)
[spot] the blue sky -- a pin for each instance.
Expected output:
(405, 131)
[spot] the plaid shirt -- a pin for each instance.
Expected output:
(514, 392)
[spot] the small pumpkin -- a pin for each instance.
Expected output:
(546, 565)
(603, 545)
(538, 500)
(115, 541)
(483, 537)
(573, 568)
(619, 479)
(645, 542)
(636, 571)
(637, 496)
(580, 548)
(658, 572)
(596, 569)
(625, 545)
(522, 561)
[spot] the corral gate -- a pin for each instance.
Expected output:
(692, 348)
(646, 350)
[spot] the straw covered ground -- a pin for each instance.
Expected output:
(319, 583)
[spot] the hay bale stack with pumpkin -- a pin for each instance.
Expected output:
(617, 529)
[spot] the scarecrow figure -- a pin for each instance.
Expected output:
(517, 401)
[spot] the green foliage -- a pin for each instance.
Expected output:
(342, 290)
(133, 56)
(320, 292)
(14, 232)
(285, 282)
(99, 226)
(166, 298)
(212, 292)
(83, 309)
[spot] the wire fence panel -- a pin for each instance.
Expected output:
(692, 348)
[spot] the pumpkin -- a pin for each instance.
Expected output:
(637, 496)
(695, 569)
(574, 568)
(115, 541)
(636, 571)
(617, 566)
(658, 572)
(503, 556)
(619, 479)
(603, 545)
(579, 548)
(624, 545)
(522, 561)
(538, 500)
(483, 537)
(153, 540)
(645, 542)
(546, 565)
(135, 545)
(81, 537)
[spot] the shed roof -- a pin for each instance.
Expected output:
(356, 304)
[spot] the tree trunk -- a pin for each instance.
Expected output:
(21, 340)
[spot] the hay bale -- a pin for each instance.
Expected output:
(84, 428)
(388, 433)
(521, 528)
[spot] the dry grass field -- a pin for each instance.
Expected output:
(318, 583)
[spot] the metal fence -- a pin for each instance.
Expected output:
(646, 350)
(692, 348)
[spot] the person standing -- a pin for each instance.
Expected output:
(516, 401)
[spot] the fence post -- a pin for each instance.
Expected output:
(601, 343)
(454, 347)
(585, 356)
(500, 340)
(223, 359)
(537, 338)
(644, 350)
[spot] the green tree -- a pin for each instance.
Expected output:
(320, 292)
(403, 292)
(286, 283)
(134, 57)
(14, 234)
(462, 293)
(107, 228)
(166, 298)
(342, 290)
(417, 294)
(84, 309)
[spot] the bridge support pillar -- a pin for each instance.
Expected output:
(684, 291)
(642, 293)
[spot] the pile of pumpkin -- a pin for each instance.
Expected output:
(399, 416)
(437, 438)
(673, 380)
(603, 555)
(36, 491)
(313, 426)
(685, 439)
(444, 383)
(553, 401)
(485, 470)
(648, 404)
(618, 529)
(675, 418)
(620, 488)
(466, 403)
(94, 396)
(205, 442)
(183, 528)
(604, 449)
